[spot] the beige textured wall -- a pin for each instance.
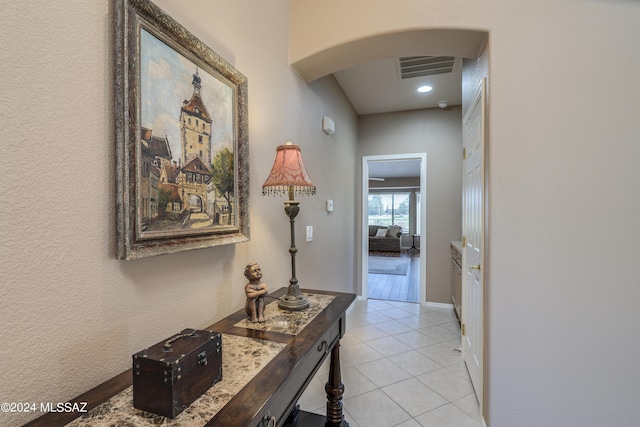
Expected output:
(439, 134)
(562, 284)
(71, 315)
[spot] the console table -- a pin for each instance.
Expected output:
(266, 368)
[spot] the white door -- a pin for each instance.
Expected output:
(472, 225)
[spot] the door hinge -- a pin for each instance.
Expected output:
(464, 241)
(464, 329)
(464, 153)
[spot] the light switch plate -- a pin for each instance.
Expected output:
(309, 233)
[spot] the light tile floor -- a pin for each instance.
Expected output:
(399, 369)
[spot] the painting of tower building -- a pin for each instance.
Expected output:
(187, 127)
(195, 126)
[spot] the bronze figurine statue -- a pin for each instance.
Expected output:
(255, 291)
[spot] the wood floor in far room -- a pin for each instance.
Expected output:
(395, 287)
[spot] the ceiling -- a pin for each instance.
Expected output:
(380, 170)
(377, 87)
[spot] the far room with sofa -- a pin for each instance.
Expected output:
(385, 239)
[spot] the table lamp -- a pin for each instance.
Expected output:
(288, 176)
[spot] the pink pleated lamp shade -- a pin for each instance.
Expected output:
(288, 171)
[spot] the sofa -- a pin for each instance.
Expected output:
(385, 239)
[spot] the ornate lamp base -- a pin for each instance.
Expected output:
(293, 300)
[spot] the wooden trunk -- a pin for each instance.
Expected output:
(170, 375)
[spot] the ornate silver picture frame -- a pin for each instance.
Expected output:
(181, 124)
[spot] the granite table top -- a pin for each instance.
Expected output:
(288, 322)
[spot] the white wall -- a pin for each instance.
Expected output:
(562, 288)
(439, 134)
(71, 315)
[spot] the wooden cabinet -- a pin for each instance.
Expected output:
(456, 277)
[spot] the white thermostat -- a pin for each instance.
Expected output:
(328, 126)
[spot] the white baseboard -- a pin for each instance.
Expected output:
(437, 304)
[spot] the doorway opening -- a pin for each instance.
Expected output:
(393, 209)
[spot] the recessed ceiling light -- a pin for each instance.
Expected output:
(425, 88)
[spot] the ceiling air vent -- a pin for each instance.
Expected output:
(418, 66)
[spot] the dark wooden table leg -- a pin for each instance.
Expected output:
(335, 391)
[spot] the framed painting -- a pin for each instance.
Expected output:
(181, 138)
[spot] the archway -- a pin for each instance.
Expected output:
(454, 42)
(195, 203)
